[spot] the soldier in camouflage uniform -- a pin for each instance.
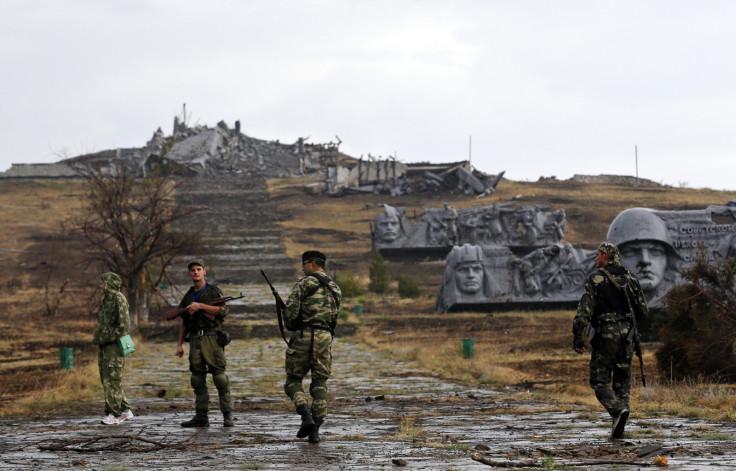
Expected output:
(206, 355)
(311, 313)
(113, 321)
(606, 308)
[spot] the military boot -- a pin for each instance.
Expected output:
(228, 419)
(307, 422)
(200, 419)
(619, 422)
(314, 434)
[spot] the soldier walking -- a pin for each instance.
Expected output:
(311, 313)
(605, 306)
(200, 325)
(113, 321)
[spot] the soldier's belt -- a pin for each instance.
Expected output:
(610, 317)
(315, 327)
(201, 333)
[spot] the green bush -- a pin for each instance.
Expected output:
(408, 287)
(697, 336)
(378, 274)
(348, 285)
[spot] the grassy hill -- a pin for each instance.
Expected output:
(39, 259)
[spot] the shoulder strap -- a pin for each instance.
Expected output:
(325, 281)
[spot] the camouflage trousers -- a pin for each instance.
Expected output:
(111, 365)
(610, 366)
(310, 350)
(206, 356)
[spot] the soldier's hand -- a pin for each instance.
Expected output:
(579, 345)
(179, 351)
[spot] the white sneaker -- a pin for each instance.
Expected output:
(127, 414)
(110, 420)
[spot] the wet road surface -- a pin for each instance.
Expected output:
(384, 415)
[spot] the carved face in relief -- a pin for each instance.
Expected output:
(388, 229)
(469, 276)
(647, 259)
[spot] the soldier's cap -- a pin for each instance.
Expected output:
(610, 249)
(195, 261)
(315, 255)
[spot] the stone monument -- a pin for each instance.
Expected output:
(440, 229)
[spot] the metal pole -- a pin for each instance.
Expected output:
(636, 159)
(470, 148)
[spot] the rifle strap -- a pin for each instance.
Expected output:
(325, 281)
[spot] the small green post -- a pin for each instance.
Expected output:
(468, 348)
(358, 311)
(67, 358)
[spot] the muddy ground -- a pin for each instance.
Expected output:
(385, 415)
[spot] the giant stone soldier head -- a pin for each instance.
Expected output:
(646, 249)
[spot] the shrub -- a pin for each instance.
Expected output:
(408, 287)
(378, 274)
(697, 336)
(348, 285)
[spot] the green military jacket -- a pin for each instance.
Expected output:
(113, 318)
(602, 301)
(198, 321)
(311, 304)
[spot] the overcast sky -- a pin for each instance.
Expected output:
(535, 88)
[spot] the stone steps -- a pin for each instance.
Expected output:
(239, 231)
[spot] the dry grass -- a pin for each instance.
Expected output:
(527, 349)
(67, 391)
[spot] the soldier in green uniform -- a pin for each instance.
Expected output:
(311, 313)
(113, 321)
(200, 324)
(606, 307)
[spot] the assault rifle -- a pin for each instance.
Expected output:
(634, 332)
(634, 335)
(215, 302)
(280, 307)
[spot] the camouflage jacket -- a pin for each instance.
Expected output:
(320, 309)
(113, 319)
(604, 302)
(198, 321)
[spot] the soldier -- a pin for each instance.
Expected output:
(113, 321)
(311, 313)
(199, 325)
(607, 307)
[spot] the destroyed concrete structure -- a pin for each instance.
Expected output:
(198, 150)
(389, 176)
(655, 245)
(222, 150)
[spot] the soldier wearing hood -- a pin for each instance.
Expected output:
(113, 321)
(606, 307)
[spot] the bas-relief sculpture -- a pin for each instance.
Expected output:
(467, 280)
(655, 245)
(552, 275)
(531, 226)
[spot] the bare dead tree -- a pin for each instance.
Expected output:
(128, 222)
